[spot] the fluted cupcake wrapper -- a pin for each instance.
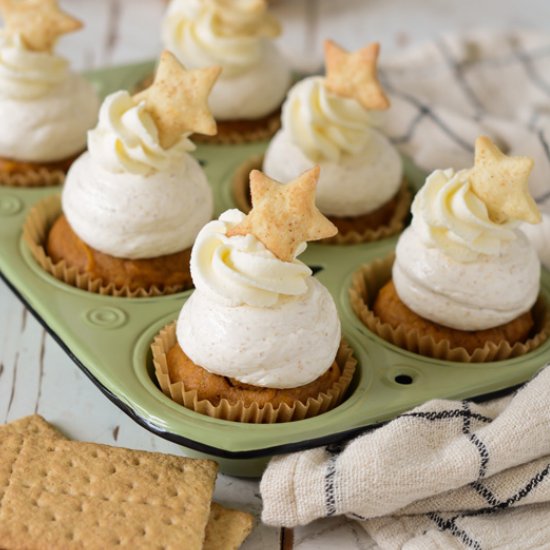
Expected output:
(41, 177)
(243, 131)
(35, 233)
(370, 278)
(239, 412)
(241, 195)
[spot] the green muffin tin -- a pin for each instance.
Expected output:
(109, 337)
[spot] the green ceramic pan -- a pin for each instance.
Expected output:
(109, 337)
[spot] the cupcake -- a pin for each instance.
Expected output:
(238, 37)
(45, 109)
(331, 121)
(259, 339)
(134, 203)
(465, 280)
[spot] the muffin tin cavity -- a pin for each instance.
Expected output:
(144, 372)
(109, 337)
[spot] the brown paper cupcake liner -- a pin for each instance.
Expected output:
(393, 226)
(370, 278)
(41, 177)
(241, 195)
(233, 132)
(15, 173)
(35, 233)
(236, 132)
(254, 413)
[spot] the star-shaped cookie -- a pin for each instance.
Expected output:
(284, 215)
(353, 75)
(178, 99)
(501, 182)
(38, 22)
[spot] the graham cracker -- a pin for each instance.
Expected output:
(65, 494)
(11, 440)
(56, 493)
(227, 529)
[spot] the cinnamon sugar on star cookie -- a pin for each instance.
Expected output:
(501, 182)
(178, 99)
(39, 23)
(354, 75)
(284, 215)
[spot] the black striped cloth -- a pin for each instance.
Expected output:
(445, 475)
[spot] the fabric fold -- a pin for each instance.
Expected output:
(448, 474)
(444, 455)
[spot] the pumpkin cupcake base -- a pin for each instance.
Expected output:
(376, 306)
(168, 270)
(217, 396)
(390, 309)
(63, 255)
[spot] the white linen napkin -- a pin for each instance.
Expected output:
(448, 474)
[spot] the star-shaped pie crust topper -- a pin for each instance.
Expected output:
(178, 99)
(353, 75)
(38, 22)
(501, 182)
(284, 215)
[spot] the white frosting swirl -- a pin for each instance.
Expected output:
(134, 216)
(353, 186)
(126, 139)
(26, 74)
(284, 346)
(197, 31)
(239, 270)
(539, 236)
(360, 168)
(448, 215)
(489, 292)
(45, 109)
(324, 125)
(254, 93)
(255, 76)
(254, 317)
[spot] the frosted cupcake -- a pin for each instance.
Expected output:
(45, 109)
(259, 339)
(133, 204)
(331, 121)
(238, 37)
(465, 279)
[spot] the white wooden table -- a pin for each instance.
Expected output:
(36, 376)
